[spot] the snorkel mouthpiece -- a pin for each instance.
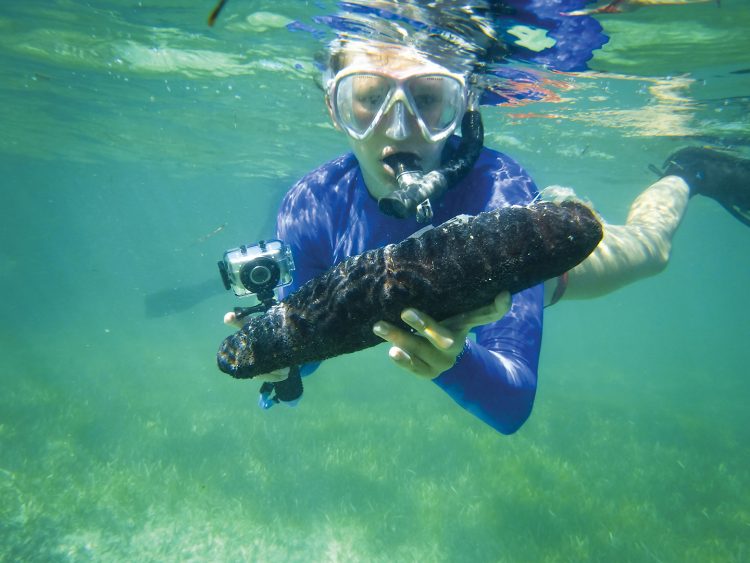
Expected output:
(415, 189)
(403, 163)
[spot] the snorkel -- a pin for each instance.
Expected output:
(417, 190)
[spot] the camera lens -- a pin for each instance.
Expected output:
(261, 274)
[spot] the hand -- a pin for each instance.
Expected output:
(231, 319)
(434, 346)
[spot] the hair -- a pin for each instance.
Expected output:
(448, 33)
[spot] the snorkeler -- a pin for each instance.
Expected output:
(393, 101)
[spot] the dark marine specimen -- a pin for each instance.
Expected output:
(453, 268)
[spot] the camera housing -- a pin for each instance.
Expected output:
(257, 270)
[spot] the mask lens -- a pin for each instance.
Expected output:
(360, 99)
(437, 100)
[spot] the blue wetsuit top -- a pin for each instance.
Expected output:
(329, 215)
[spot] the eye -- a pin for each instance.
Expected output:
(425, 101)
(369, 92)
(371, 100)
(427, 92)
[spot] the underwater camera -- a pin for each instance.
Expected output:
(257, 271)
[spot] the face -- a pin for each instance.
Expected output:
(398, 130)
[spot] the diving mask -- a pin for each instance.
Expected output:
(360, 99)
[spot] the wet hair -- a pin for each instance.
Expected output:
(340, 52)
(450, 33)
(337, 57)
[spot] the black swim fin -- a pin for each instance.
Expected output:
(714, 174)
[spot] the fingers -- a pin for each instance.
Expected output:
(427, 352)
(411, 352)
(409, 363)
(433, 346)
(483, 315)
(231, 319)
(438, 335)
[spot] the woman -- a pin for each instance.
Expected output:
(393, 100)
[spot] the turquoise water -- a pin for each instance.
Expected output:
(138, 144)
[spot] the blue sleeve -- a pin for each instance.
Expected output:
(495, 378)
(309, 218)
(299, 232)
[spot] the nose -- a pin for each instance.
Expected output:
(399, 127)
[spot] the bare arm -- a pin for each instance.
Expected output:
(638, 249)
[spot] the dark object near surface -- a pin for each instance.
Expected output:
(215, 12)
(455, 267)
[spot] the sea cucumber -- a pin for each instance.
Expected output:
(455, 267)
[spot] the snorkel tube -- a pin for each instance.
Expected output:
(416, 189)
